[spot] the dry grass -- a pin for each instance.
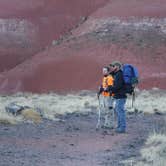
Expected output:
(148, 102)
(31, 115)
(52, 104)
(152, 154)
(7, 119)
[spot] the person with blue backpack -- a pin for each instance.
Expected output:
(119, 90)
(125, 77)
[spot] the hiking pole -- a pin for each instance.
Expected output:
(133, 99)
(99, 113)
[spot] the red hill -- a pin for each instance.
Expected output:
(131, 31)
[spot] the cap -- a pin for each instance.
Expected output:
(116, 63)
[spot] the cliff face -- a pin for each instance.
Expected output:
(130, 31)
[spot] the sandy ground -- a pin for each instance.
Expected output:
(73, 141)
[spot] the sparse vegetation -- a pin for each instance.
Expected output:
(152, 154)
(52, 104)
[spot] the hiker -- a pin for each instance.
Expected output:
(118, 89)
(107, 99)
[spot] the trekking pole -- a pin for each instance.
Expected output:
(99, 113)
(133, 99)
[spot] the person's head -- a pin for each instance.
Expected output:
(115, 66)
(106, 71)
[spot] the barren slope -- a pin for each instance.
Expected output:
(115, 32)
(27, 27)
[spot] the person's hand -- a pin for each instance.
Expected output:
(101, 89)
(106, 89)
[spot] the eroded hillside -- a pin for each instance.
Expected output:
(131, 31)
(27, 27)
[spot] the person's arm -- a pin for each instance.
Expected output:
(101, 89)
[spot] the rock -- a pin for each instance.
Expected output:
(14, 108)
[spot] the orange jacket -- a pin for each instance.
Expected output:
(107, 81)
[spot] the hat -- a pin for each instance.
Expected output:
(116, 63)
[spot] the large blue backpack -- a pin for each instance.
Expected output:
(130, 76)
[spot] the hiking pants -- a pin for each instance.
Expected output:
(108, 112)
(121, 113)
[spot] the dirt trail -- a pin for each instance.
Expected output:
(73, 141)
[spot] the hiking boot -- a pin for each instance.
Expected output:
(118, 130)
(107, 127)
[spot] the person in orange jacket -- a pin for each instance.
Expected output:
(106, 99)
